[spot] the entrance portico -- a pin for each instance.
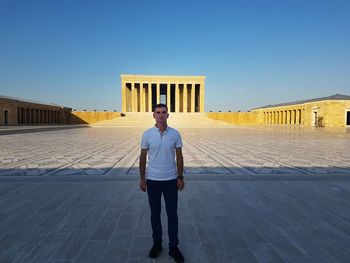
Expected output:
(140, 93)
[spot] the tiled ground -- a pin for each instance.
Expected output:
(252, 195)
(226, 151)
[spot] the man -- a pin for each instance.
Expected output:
(164, 176)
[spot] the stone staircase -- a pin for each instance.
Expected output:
(141, 119)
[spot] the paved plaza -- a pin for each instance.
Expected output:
(253, 194)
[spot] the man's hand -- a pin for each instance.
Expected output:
(180, 168)
(180, 184)
(143, 185)
(143, 157)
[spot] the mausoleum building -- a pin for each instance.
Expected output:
(140, 93)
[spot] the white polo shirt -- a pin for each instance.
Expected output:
(161, 153)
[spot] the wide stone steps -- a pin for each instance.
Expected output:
(175, 119)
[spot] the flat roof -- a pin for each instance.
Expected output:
(159, 76)
(30, 101)
(332, 97)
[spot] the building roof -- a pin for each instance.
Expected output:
(159, 77)
(332, 97)
(30, 101)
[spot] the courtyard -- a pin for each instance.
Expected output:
(253, 194)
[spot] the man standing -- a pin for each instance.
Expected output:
(164, 176)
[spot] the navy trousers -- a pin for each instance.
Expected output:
(169, 189)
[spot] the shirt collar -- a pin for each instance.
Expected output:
(157, 129)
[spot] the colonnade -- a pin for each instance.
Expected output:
(37, 116)
(140, 93)
(289, 116)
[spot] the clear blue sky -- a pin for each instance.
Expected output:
(253, 53)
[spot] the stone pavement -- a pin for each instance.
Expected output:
(252, 195)
(5, 130)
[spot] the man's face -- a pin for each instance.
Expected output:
(160, 114)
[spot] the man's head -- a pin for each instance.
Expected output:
(160, 113)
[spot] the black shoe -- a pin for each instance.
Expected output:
(176, 255)
(155, 251)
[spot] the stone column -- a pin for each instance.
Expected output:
(193, 89)
(30, 116)
(158, 93)
(149, 97)
(142, 98)
(272, 120)
(132, 97)
(123, 96)
(285, 117)
(289, 113)
(33, 115)
(279, 117)
(137, 103)
(272, 117)
(168, 92)
(301, 116)
(177, 98)
(185, 109)
(201, 96)
(297, 116)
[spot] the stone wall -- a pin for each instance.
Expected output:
(327, 113)
(31, 113)
(235, 118)
(89, 117)
(335, 114)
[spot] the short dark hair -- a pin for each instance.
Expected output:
(160, 105)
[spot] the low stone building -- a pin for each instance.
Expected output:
(14, 111)
(331, 111)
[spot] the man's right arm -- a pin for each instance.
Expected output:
(142, 166)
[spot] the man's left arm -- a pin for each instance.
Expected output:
(180, 169)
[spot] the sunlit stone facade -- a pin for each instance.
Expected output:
(331, 111)
(14, 111)
(140, 93)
